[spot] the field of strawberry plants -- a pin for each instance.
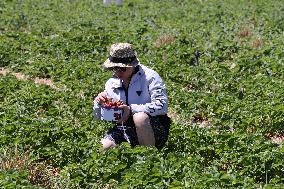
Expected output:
(222, 61)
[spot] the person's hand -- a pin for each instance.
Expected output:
(101, 98)
(126, 113)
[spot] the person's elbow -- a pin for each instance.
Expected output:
(96, 111)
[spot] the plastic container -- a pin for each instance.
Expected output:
(111, 114)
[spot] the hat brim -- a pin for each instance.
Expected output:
(109, 64)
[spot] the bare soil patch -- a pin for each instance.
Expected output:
(41, 81)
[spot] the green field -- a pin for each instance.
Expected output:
(227, 110)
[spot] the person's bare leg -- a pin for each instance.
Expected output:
(107, 143)
(144, 130)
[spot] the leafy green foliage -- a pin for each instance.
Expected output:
(237, 88)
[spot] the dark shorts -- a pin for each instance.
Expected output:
(160, 125)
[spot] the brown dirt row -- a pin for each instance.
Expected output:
(41, 81)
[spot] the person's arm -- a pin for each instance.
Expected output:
(97, 110)
(97, 104)
(159, 98)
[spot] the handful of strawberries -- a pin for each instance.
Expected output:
(110, 103)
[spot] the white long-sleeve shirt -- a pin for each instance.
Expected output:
(146, 93)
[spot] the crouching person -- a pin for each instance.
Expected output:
(145, 103)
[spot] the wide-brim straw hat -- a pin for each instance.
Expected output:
(121, 55)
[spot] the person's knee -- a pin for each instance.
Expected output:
(141, 119)
(107, 143)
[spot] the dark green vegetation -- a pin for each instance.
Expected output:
(49, 138)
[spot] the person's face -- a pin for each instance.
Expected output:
(123, 73)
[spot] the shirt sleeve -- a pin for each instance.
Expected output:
(159, 98)
(97, 110)
(97, 107)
